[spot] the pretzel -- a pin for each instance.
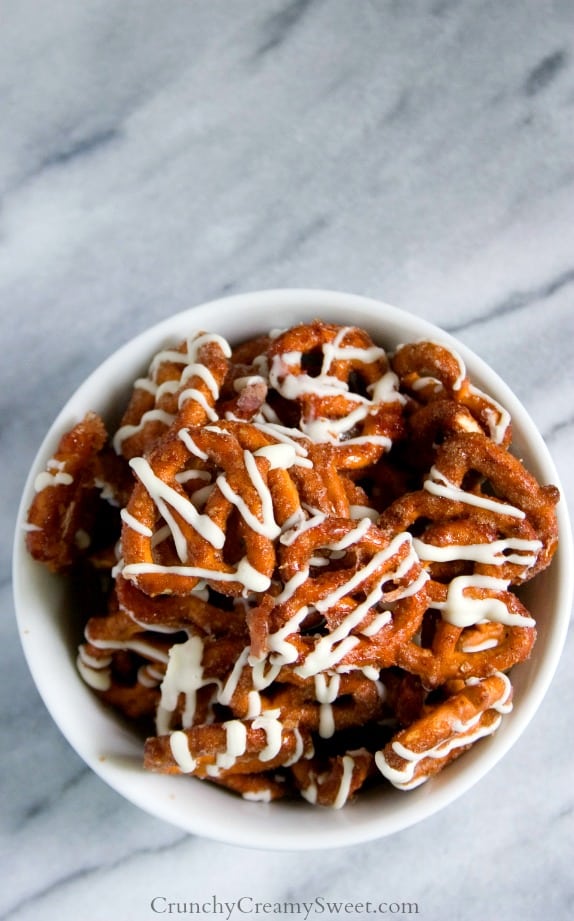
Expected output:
(445, 731)
(454, 538)
(430, 424)
(458, 643)
(517, 492)
(299, 560)
(64, 508)
(427, 371)
(404, 696)
(232, 747)
(122, 662)
(243, 475)
(341, 383)
(181, 384)
(173, 613)
(324, 703)
(334, 781)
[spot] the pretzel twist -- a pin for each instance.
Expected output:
(444, 732)
(240, 475)
(181, 387)
(430, 371)
(223, 749)
(516, 491)
(64, 509)
(342, 385)
(446, 650)
(454, 538)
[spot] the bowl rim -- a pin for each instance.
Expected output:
(311, 829)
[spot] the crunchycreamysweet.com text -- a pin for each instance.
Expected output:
(249, 906)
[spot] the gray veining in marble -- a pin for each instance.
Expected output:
(156, 155)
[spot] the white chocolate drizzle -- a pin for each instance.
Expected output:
(132, 522)
(127, 431)
(326, 692)
(183, 676)
(494, 553)
(165, 496)
(330, 649)
(54, 475)
(462, 610)
(267, 527)
(245, 573)
(271, 725)
(346, 779)
(179, 746)
(438, 485)
(95, 671)
(236, 744)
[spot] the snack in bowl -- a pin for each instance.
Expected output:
(305, 553)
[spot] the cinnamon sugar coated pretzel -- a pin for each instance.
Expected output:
(299, 560)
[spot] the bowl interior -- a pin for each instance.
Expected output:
(113, 750)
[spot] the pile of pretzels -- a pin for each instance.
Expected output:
(298, 560)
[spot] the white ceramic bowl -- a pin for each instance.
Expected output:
(115, 753)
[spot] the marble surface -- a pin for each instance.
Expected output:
(156, 155)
